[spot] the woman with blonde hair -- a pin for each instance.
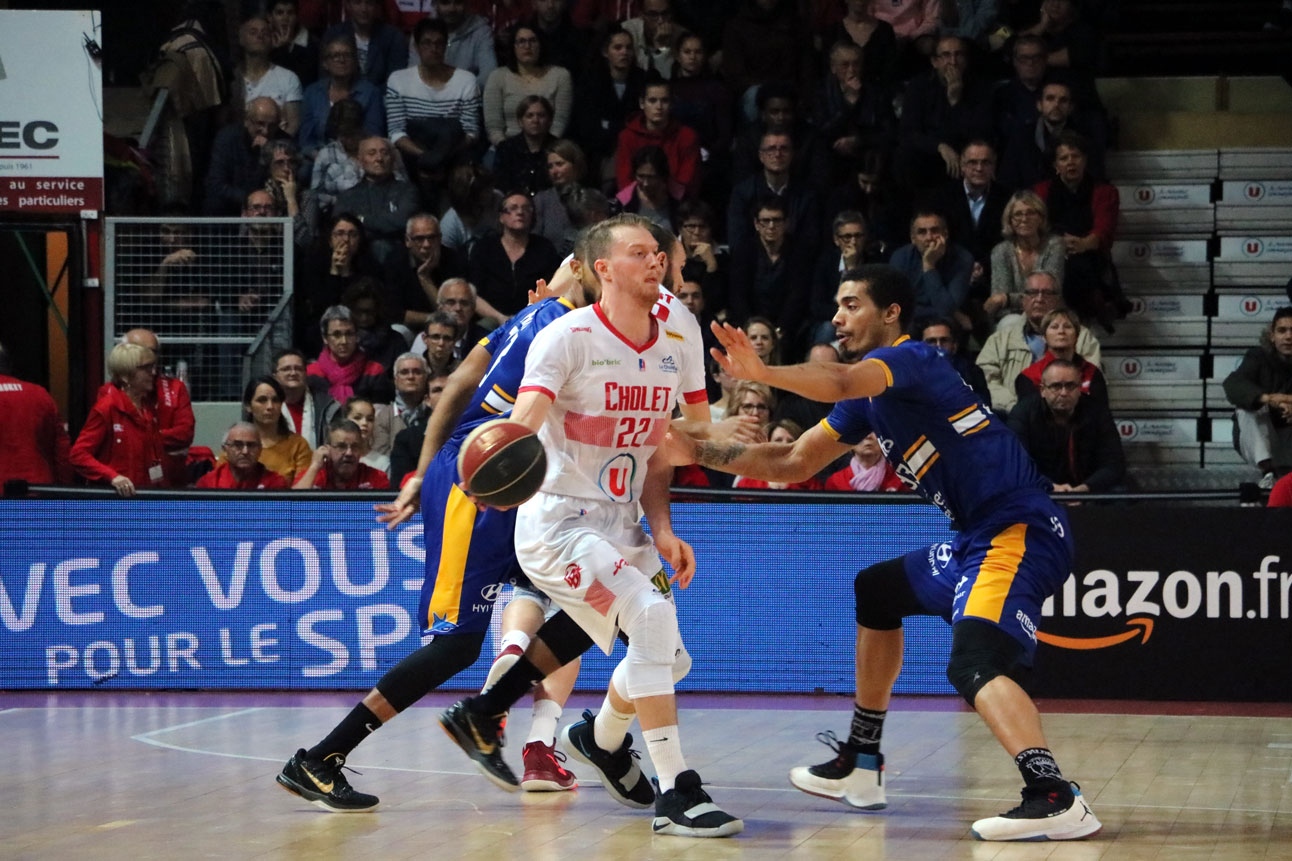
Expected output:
(1027, 247)
(121, 442)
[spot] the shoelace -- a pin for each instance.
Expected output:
(830, 740)
(336, 764)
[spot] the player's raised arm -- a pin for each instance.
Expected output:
(829, 382)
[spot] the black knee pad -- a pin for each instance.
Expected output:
(979, 653)
(564, 638)
(884, 596)
(429, 667)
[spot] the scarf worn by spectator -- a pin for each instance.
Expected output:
(341, 378)
(865, 478)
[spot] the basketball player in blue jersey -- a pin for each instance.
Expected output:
(1012, 549)
(469, 553)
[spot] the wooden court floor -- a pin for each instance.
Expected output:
(136, 776)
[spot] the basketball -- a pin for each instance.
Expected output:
(502, 463)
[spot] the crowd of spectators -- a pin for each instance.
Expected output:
(437, 159)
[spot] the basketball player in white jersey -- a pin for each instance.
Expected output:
(599, 389)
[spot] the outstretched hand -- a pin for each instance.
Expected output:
(403, 508)
(740, 360)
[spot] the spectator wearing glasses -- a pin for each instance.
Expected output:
(1027, 246)
(527, 73)
(411, 280)
(459, 299)
(340, 80)
(942, 111)
(1070, 435)
(653, 32)
(504, 265)
(772, 278)
(121, 443)
(940, 332)
(307, 406)
(706, 261)
(411, 374)
(438, 341)
(338, 465)
(1019, 341)
(407, 447)
(1015, 102)
(775, 155)
(240, 467)
(343, 366)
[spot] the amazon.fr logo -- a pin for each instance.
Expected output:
(1117, 608)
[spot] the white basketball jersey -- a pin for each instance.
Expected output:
(611, 402)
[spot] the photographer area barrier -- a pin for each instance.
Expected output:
(1186, 603)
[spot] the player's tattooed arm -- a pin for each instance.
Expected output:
(716, 455)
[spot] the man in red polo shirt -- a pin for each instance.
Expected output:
(241, 468)
(336, 466)
(33, 441)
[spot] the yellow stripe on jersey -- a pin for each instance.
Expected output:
(675, 336)
(996, 574)
(497, 401)
(831, 432)
(459, 523)
(969, 421)
(888, 372)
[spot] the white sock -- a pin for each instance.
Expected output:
(543, 726)
(609, 727)
(665, 749)
(513, 645)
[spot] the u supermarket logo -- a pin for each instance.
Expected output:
(1145, 194)
(1253, 247)
(1127, 429)
(1250, 306)
(1131, 368)
(1254, 191)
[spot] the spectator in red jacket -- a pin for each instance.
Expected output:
(33, 441)
(784, 431)
(337, 466)
(1281, 494)
(170, 402)
(240, 469)
(867, 471)
(121, 443)
(655, 126)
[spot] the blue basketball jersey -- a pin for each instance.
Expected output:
(938, 436)
(508, 345)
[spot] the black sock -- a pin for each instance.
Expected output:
(1037, 766)
(514, 684)
(345, 736)
(867, 728)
